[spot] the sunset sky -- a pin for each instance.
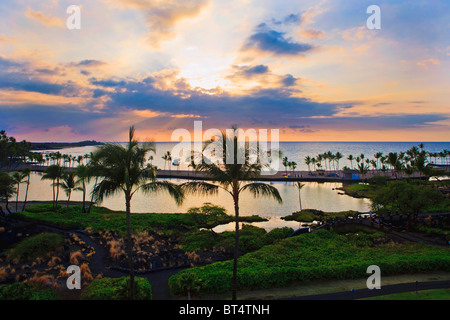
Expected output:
(309, 68)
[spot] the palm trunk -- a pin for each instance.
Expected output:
(26, 195)
(57, 194)
(300, 199)
(84, 197)
(53, 189)
(17, 197)
(92, 197)
(236, 249)
(129, 245)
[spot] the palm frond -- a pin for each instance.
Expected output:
(105, 189)
(262, 190)
(175, 191)
(201, 188)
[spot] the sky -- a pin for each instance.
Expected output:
(312, 69)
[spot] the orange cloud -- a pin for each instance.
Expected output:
(41, 17)
(162, 16)
(312, 34)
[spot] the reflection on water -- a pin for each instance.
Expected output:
(315, 195)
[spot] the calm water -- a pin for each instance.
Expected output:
(314, 195)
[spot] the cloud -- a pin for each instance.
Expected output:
(427, 63)
(259, 76)
(23, 76)
(162, 16)
(268, 39)
(5, 39)
(276, 43)
(311, 34)
(88, 63)
(289, 80)
(357, 34)
(43, 18)
(379, 122)
(107, 82)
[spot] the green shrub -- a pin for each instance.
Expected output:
(117, 289)
(26, 291)
(39, 208)
(40, 245)
(322, 255)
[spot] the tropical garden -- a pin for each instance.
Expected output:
(116, 250)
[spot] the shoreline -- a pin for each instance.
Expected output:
(280, 176)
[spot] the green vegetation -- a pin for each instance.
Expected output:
(40, 245)
(309, 215)
(103, 219)
(437, 294)
(117, 289)
(401, 197)
(360, 190)
(252, 238)
(323, 255)
(26, 291)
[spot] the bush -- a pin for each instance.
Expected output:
(117, 289)
(322, 255)
(26, 291)
(41, 245)
(39, 208)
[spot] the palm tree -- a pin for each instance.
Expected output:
(351, 159)
(18, 178)
(27, 173)
(122, 169)
(314, 163)
(308, 162)
(234, 177)
(299, 186)
(69, 184)
(285, 163)
(337, 157)
(165, 158)
(54, 173)
(293, 166)
(84, 175)
(378, 156)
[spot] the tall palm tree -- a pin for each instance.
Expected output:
(285, 162)
(234, 177)
(84, 176)
(337, 157)
(18, 178)
(54, 173)
(299, 186)
(27, 174)
(123, 169)
(314, 163)
(351, 159)
(308, 162)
